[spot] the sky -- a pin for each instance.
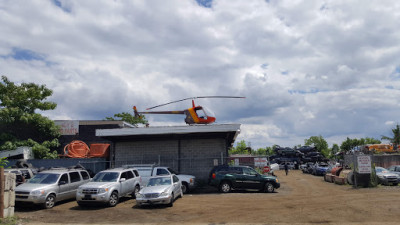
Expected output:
(306, 67)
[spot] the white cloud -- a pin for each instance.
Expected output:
(306, 67)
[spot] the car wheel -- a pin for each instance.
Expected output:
(50, 201)
(137, 189)
(268, 187)
(225, 187)
(113, 201)
(185, 188)
(171, 203)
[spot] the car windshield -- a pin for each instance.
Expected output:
(381, 170)
(44, 178)
(106, 177)
(158, 181)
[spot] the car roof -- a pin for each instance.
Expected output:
(118, 169)
(61, 170)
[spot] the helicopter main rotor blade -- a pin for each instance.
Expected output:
(193, 99)
(163, 112)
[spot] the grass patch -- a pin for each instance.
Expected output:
(11, 221)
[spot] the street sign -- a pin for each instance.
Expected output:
(364, 164)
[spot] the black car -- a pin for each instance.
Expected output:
(226, 178)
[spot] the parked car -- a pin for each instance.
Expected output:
(307, 167)
(395, 169)
(51, 186)
(320, 169)
(226, 178)
(148, 171)
(22, 174)
(386, 177)
(160, 190)
(108, 186)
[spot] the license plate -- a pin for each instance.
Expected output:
(88, 196)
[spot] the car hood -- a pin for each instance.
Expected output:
(156, 189)
(184, 177)
(98, 185)
(387, 175)
(32, 187)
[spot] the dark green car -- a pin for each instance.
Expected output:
(226, 178)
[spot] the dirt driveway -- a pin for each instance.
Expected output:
(302, 199)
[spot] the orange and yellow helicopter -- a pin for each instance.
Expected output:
(194, 115)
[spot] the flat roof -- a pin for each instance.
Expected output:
(120, 123)
(168, 130)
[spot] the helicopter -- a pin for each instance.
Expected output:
(194, 115)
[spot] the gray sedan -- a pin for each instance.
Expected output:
(160, 190)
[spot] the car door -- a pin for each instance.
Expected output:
(177, 186)
(63, 187)
(130, 182)
(236, 175)
(251, 179)
(123, 182)
(75, 182)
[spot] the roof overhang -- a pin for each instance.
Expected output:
(226, 131)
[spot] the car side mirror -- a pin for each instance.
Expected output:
(122, 179)
(62, 182)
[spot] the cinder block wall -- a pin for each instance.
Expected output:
(146, 152)
(197, 156)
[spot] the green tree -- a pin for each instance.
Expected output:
(319, 143)
(20, 125)
(349, 143)
(241, 148)
(129, 118)
(396, 136)
(335, 149)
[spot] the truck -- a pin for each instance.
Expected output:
(146, 171)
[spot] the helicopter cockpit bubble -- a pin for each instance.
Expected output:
(208, 112)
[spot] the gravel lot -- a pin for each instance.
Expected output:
(302, 199)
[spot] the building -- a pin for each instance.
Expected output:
(85, 130)
(186, 149)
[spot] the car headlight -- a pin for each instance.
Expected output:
(164, 194)
(38, 192)
(102, 190)
(276, 180)
(138, 195)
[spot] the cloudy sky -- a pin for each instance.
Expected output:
(322, 67)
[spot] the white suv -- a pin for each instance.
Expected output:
(108, 186)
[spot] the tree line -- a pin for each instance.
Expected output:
(320, 144)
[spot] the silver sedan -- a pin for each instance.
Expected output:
(160, 190)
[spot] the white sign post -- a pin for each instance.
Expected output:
(364, 164)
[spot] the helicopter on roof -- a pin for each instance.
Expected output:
(194, 115)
